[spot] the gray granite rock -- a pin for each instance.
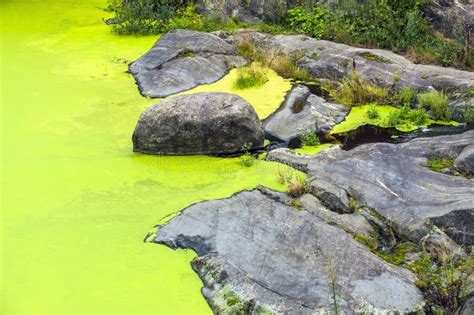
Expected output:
(182, 60)
(303, 112)
(394, 180)
(201, 123)
(258, 255)
(465, 160)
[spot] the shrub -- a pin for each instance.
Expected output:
(356, 91)
(405, 96)
(248, 77)
(309, 139)
(143, 17)
(372, 112)
(437, 103)
(438, 162)
(417, 116)
(310, 21)
(406, 115)
(441, 282)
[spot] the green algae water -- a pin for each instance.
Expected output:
(76, 202)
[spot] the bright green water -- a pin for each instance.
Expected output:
(76, 202)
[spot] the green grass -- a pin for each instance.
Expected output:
(354, 90)
(437, 103)
(248, 77)
(372, 112)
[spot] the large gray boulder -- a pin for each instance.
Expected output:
(201, 123)
(257, 255)
(182, 60)
(333, 61)
(303, 112)
(393, 179)
(465, 160)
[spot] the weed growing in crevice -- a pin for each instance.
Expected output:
(309, 139)
(439, 162)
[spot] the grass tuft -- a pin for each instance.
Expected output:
(437, 103)
(252, 76)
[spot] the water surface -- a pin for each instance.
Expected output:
(76, 202)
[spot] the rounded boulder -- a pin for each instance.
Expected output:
(202, 123)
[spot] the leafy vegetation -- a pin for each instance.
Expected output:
(252, 76)
(372, 112)
(296, 182)
(437, 102)
(309, 139)
(405, 115)
(438, 162)
(398, 25)
(354, 90)
(442, 281)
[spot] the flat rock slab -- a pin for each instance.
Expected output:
(393, 179)
(303, 112)
(201, 123)
(182, 60)
(256, 254)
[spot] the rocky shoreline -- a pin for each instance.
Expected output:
(353, 239)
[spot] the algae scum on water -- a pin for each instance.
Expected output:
(76, 202)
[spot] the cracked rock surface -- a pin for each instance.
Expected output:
(182, 60)
(258, 254)
(394, 180)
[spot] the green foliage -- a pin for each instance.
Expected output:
(356, 91)
(372, 112)
(438, 162)
(310, 21)
(248, 77)
(437, 102)
(440, 281)
(143, 17)
(309, 139)
(469, 114)
(406, 96)
(247, 159)
(406, 115)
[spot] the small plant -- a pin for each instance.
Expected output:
(438, 162)
(297, 187)
(406, 115)
(437, 103)
(356, 91)
(406, 96)
(418, 117)
(248, 77)
(372, 112)
(441, 282)
(286, 66)
(309, 139)
(247, 159)
(469, 114)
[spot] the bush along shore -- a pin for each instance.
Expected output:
(353, 226)
(401, 26)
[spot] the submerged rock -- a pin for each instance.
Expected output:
(394, 180)
(256, 254)
(201, 123)
(303, 112)
(182, 60)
